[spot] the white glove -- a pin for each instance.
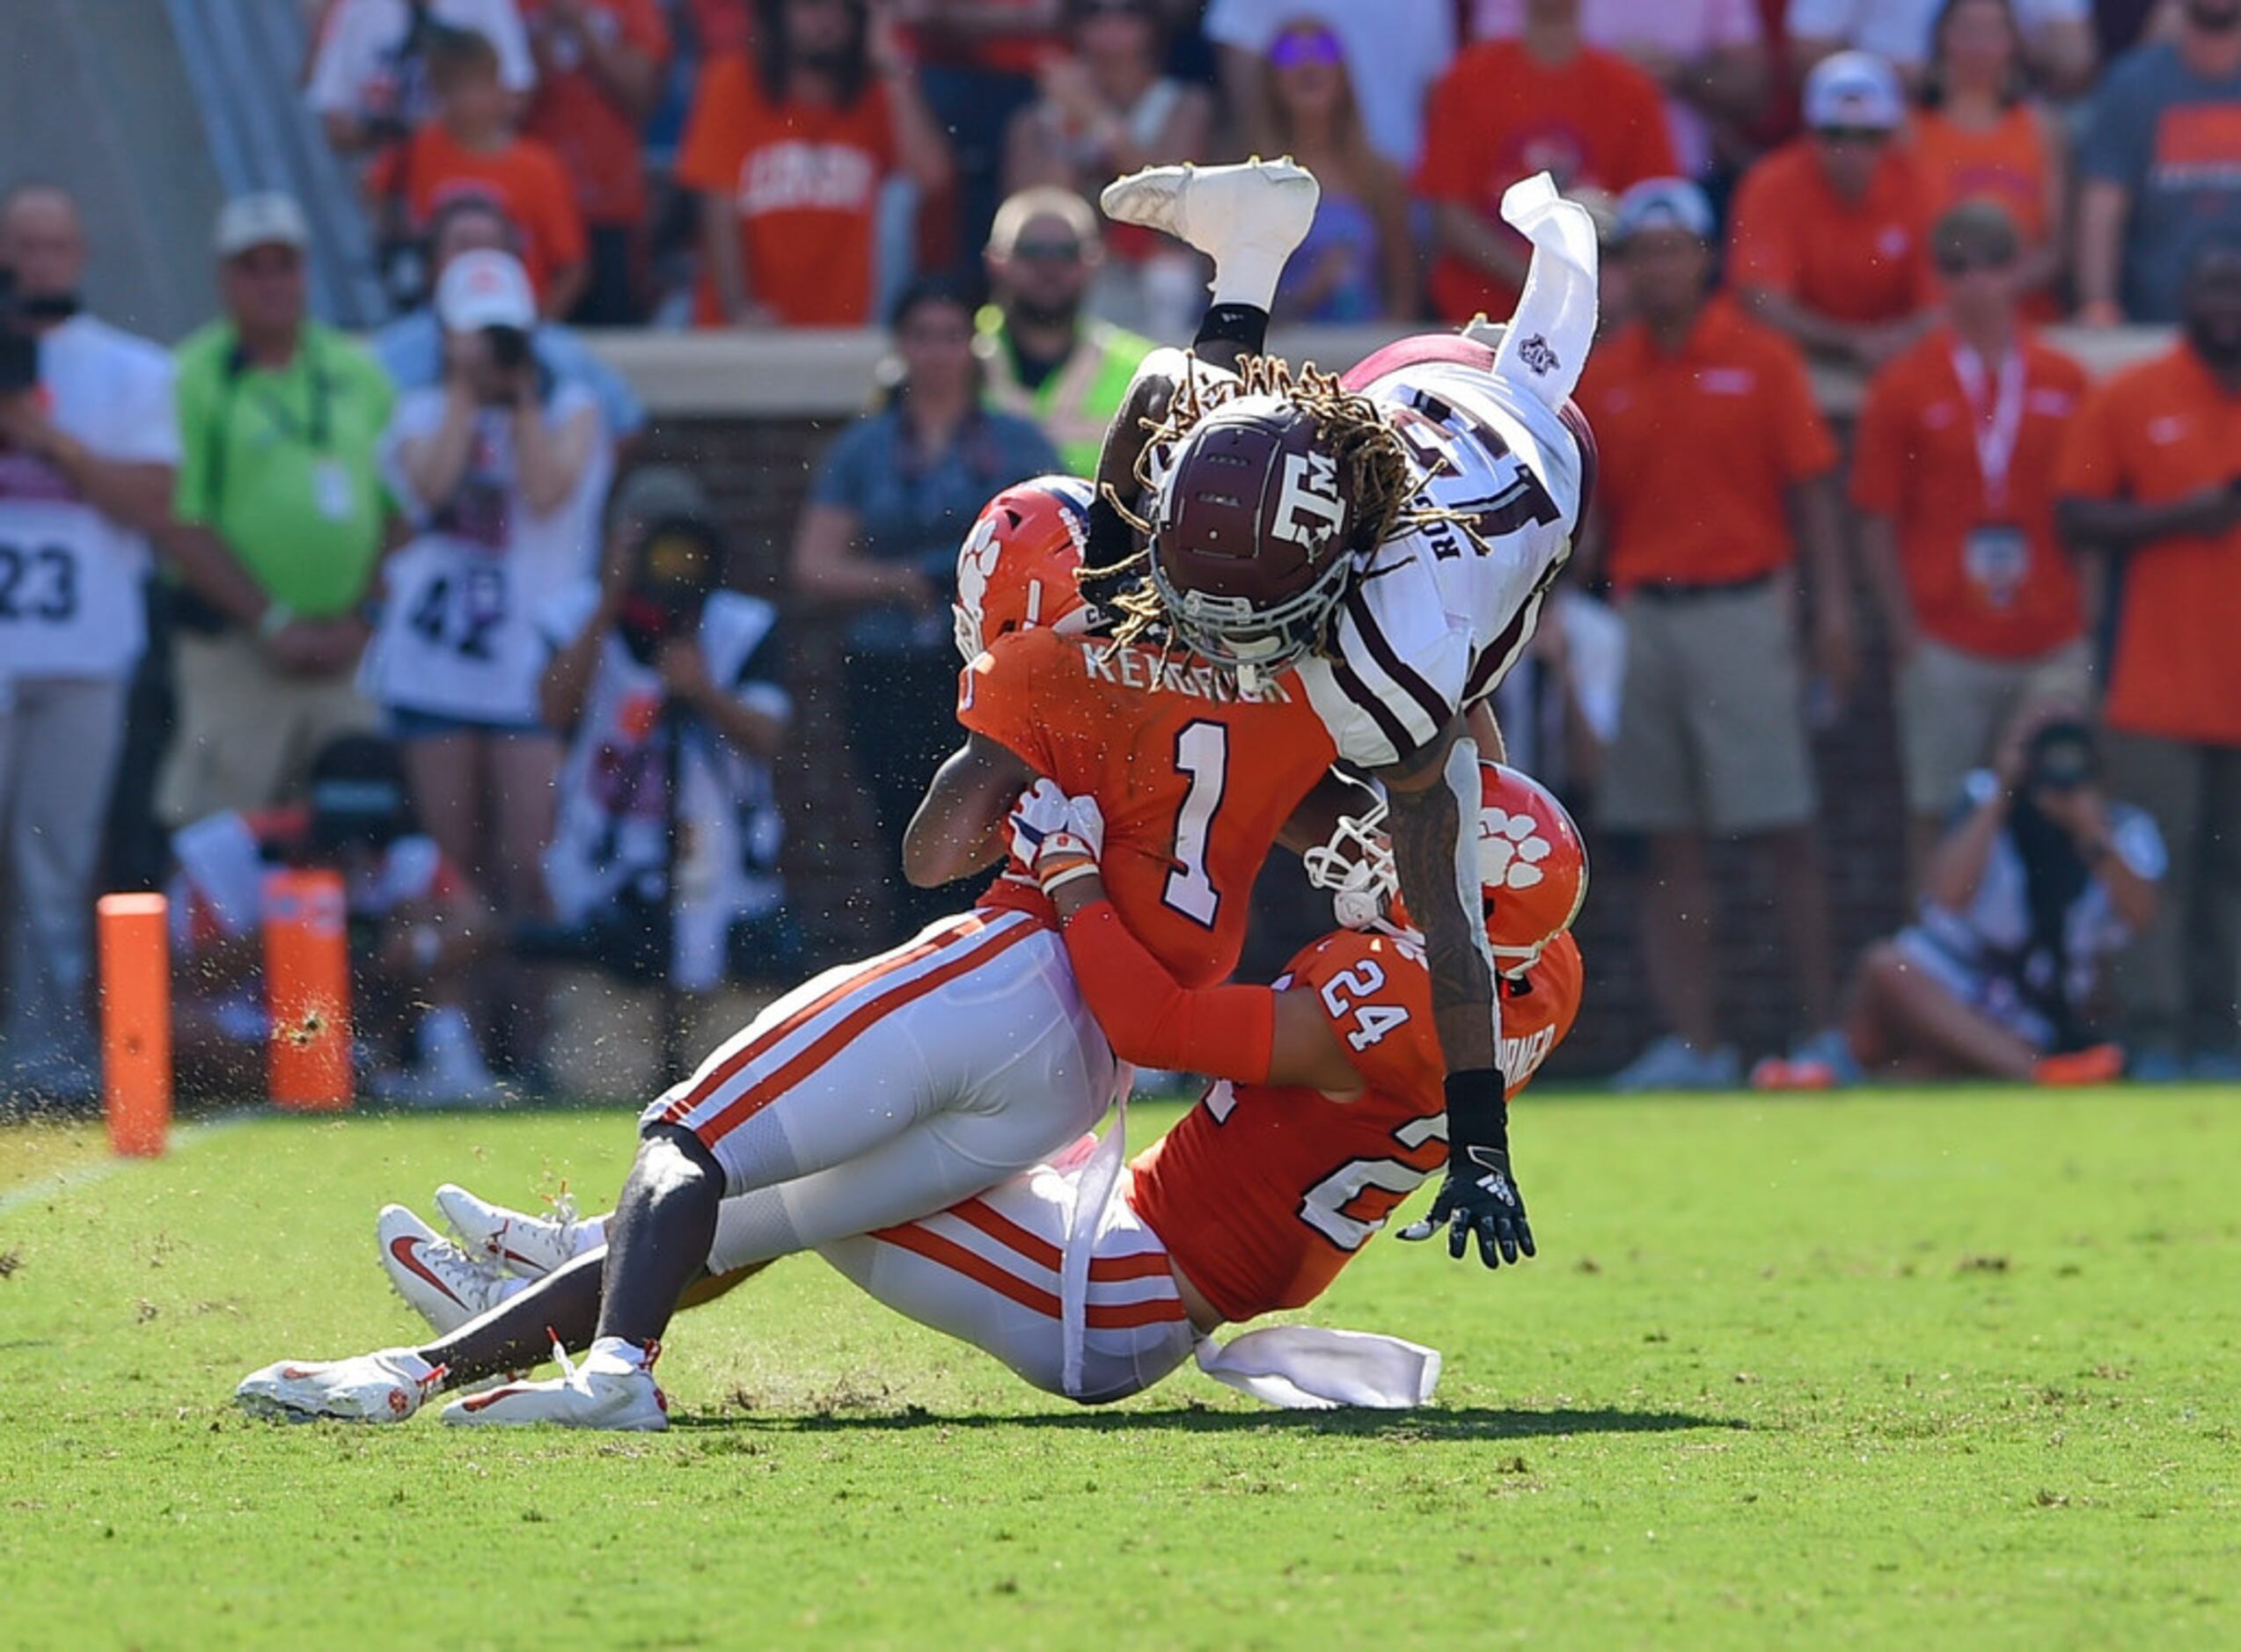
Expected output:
(1055, 837)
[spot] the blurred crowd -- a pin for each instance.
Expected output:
(419, 610)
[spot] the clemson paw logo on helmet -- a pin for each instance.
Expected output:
(976, 563)
(1511, 849)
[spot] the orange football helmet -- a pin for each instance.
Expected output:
(1016, 568)
(1532, 867)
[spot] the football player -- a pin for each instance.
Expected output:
(1326, 1112)
(1390, 535)
(882, 1092)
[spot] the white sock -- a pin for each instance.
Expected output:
(619, 1350)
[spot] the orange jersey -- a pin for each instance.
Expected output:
(1262, 1193)
(1194, 782)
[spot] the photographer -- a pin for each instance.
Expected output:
(670, 830)
(2039, 881)
(416, 926)
(503, 474)
(89, 448)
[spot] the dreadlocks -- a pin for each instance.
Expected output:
(1374, 470)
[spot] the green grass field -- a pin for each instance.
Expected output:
(1935, 1370)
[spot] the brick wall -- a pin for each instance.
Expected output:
(758, 471)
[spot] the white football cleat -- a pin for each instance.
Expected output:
(530, 1247)
(387, 1387)
(1248, 216)
(614, 1390)
(439, 1282)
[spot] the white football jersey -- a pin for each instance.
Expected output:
(70, 578)
(458, 634)
(1440, 613)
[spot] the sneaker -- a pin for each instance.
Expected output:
(439, 1282)
(2215, 1066)
(613, 1389)
(529, 1246)
(1674, 1063)
(387, 1387)
(1777, 1072)
(2155, 1063)
(2098, 1064)
(1827, 1051)
(1251, 211)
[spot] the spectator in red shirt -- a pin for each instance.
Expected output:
(471, 149)
(1953, 474)
(1715, 465)
(1507, 109)
(2151, 471)
(980, 58)
(787, 151)
(1830, 232)
(599, 67)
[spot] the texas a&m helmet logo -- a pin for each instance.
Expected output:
(1310, 508)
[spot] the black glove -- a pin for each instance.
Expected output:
(1479, 1195)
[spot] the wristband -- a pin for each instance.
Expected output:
(1478, 1115)
(277, 617)
(1067, 874)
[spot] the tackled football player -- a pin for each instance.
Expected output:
(1094, 1282)
(1389, 534)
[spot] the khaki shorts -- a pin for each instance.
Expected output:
(1953, 706)
(247, 733)
(1712, 731)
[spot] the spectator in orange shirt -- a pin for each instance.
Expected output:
(2150, 471)
(1714, 463)
(1953, 472)
(471, 149)
(1506, 109)
(787, 151)
(1830, 231)
(599, 67)
(1978, 137)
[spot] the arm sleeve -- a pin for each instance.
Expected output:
(1879, 449)
(707, 156)
(2114, 147)
(1807, 448)
(1224, 1031)
(840, 478)
(2090, 465)
(1759, 253)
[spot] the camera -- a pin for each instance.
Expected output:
(18, 344)
(676, 568)
(508, 347)
(2060, 757)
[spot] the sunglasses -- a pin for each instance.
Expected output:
(1048, 251)
(1316, 46)
(1868, 135)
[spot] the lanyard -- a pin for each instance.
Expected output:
(1993, 429)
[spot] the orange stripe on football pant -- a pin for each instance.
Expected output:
(846, 1031)
(980, 1214)
(701, 1092)
(949, 1253)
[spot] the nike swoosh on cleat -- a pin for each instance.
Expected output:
(406, 1250)
(476, 1402)
(516, 1256)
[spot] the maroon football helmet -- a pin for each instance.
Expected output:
(1251, 535)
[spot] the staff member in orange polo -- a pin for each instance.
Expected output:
(1953, 472)
(2151, 473)
(1829, 232)
(1715, 465)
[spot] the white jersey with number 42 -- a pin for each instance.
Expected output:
(1440, 613)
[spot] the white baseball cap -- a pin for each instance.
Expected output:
(1854, 89)
(269, 217)
(484, 288)
(1665, 203)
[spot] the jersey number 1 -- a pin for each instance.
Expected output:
(1202, 756)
